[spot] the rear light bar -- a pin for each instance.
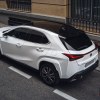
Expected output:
(73, 57)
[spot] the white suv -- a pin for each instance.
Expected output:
(66, 55)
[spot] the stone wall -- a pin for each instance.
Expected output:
(57, 8)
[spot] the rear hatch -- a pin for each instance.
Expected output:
(80, 47)
(87, 56)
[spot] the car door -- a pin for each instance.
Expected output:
(12, 44)
(36, 47)
(25, 45)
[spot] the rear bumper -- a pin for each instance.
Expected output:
(84, 72)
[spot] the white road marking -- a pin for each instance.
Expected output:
(20, 72)
(64, 95)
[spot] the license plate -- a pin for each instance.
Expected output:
(89, 63)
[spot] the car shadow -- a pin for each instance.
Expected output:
(64, 84)
(68, 85)
(22, 67)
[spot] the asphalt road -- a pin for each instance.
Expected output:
(14, 86)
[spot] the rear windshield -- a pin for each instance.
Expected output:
(75, 39)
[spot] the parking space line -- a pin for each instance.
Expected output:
(20, 72)
(64, 95)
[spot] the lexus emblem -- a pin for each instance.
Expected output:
(90, 54)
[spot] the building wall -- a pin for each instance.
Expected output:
(3, 18)
(54, 9)
(50, 7)
(57, 8)
(3, 4)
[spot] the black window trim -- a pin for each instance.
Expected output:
(26, 40)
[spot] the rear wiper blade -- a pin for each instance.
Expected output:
(83, 47)
(62, 37)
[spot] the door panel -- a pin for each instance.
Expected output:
(25, 45)
(11, 47)
(23, 51)
(34, 52)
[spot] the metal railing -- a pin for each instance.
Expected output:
(22, 5)
(85, 14)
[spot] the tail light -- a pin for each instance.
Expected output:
(73, 57)
(96, 46)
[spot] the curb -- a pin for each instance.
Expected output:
(98, 69)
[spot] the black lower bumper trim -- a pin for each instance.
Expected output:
(84, 72)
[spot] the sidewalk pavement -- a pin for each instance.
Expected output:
(2, 25)
(98, 68)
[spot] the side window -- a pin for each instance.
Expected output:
(37, 37)
(11, 33)
(20, 33)
(28, 35)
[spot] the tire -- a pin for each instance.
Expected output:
(49, 74)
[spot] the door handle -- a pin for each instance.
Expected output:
(39, 49)
(18, 45)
